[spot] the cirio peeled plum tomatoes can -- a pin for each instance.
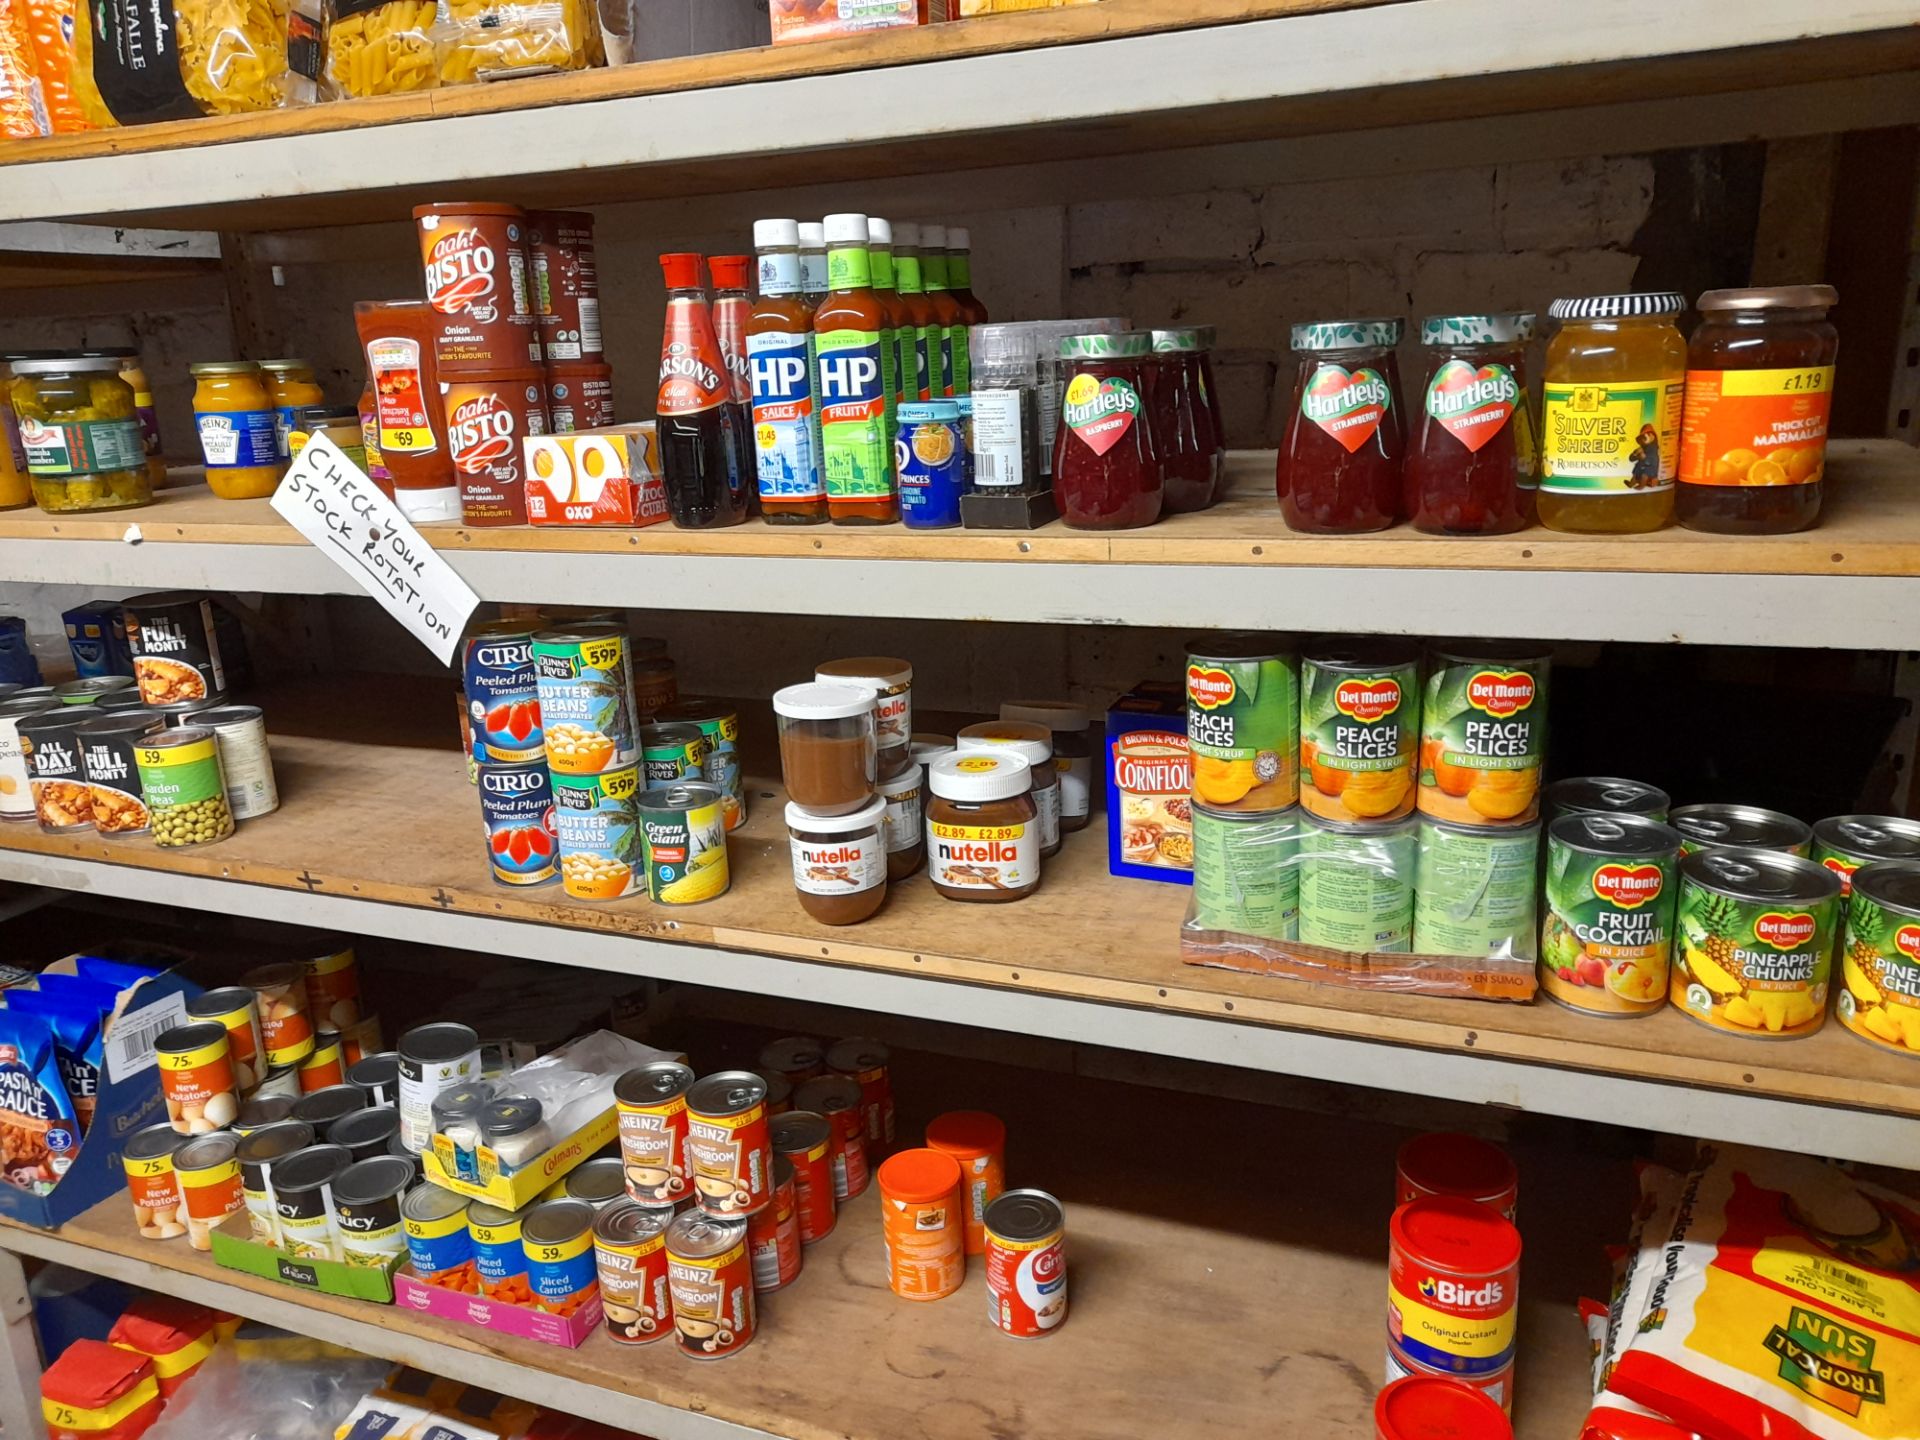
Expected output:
(711, 1279)
(727, 1143)
(503, 697)
(516, 804)
(1453, 1279)
(1464, 1167)
(1026, 1251)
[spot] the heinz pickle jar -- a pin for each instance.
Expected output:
(239, 429)
(1753, 446)
(1470, 458)
(1106, 470)
(1339, 467)
(291, 386)
(1610, 431)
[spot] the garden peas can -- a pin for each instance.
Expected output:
(1843, 843)
(1243, 722)
(502, 693)
(1606, 940)
(1756, 941)
(1473, 890)
(598, 829)
(587, 712)
(1356, 885)
(516, 804)
(1483, 733)
(1881, 964)
(685, 831)
(1246, 873)
(720, 723)
(1359, 729)
(186, 789)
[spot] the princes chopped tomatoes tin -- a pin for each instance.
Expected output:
(1453, 1278)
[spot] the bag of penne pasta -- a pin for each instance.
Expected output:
(496, 39)
(382, 47)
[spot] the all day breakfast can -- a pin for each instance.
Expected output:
(650, 1103)
(597, 824)
(1606, 939)
(1453, 1285)
(517, 810)
(1843, 843)
(1483, 733)
(1473, 890)
(587, 712)
(1246, 872)
(1757, 930)
(1243, 722)
(728, 1148)
(1721, 827)
(1356, 885)
(1880, 966)
(711, 1280)
(684, 828)
(1026, 1253)
(1359, 728)
(630, 1254)
(502, 693)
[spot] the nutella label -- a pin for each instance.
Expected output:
(1076, 785)
(845, 865)
(1047, 801)
(903, 819)
(984, 857)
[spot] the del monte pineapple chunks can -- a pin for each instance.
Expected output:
(1756, 931)
(1606, 942)
(1880, 967)
(1359, 728)
(1243, 722)
(1843, 843)
(1483, 733)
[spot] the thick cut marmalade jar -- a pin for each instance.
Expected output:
(1610, 441)
(239, 429)
(1470, 458)
(1339, 466)
(1753, 447)
(1106, 469)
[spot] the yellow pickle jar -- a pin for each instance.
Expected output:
(135, 374)
(15, 491)
(1610, 442)
(292, 387)
(79, 434)
(239, 429)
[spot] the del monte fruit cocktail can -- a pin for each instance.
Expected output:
(1756, 930)
(1606, 940)
(1483, 733)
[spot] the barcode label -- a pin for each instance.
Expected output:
(590, 324)
(129, 1043)
(1840, 1275)
(997, 451)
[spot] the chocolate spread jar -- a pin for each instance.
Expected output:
(827, 753)
(840, 862)
(983, 828)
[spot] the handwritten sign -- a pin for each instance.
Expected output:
(330, 500)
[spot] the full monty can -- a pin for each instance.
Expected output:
(1243, 722)
(503, 697)
(1756, 930)
(1606, 939)
(516, 805)
(1026, 1251)
(1453, 1286)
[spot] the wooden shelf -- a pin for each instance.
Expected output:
(1204, 1300)
(1124, 76)
(1854, 581)
(379, 832)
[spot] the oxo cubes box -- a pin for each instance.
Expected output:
(605, 476)
(1150, 785)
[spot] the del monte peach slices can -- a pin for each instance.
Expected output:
(1483, 733)
(1607, 937)
(1359, 728)
(1243, 722)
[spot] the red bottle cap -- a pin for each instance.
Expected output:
(682, 269)
(729, 271)
(1431, 1407)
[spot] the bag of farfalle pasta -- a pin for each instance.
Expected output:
(495, 39)
(235, 57)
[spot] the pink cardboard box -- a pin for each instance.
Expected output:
(412, 1293)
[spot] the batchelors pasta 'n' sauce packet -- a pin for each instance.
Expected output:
(39, 1135)
(78, 1026)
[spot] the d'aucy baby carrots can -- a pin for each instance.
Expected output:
(920, 1209)
(1453, 1279)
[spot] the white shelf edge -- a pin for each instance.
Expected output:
(1844, 1133)
(1790, 611)
(1416, 42)
(369, 1336)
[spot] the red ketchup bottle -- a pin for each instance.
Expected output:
(1340, 459)
(707, 478)
(1106, 470)
(1471, 462)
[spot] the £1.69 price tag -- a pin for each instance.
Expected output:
(331, 501)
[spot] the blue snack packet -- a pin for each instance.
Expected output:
(78, 1026)
(39, 1134)
(117, 973)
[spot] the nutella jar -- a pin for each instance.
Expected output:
(905, 825)
(839, 862)
(827, 753)
(1072, 753)
(1033, 744)
(925, 748)
(891, 682)
(983, 828)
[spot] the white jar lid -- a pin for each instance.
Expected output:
(865, 818)
(1054, 714)
(1032, 743)
(908, 779)
(981, 775)
(875, 670)
(926, 747)
(823, 702)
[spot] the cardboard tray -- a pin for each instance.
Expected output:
(529, 1182)
(234, 1248)
(497, 1315)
